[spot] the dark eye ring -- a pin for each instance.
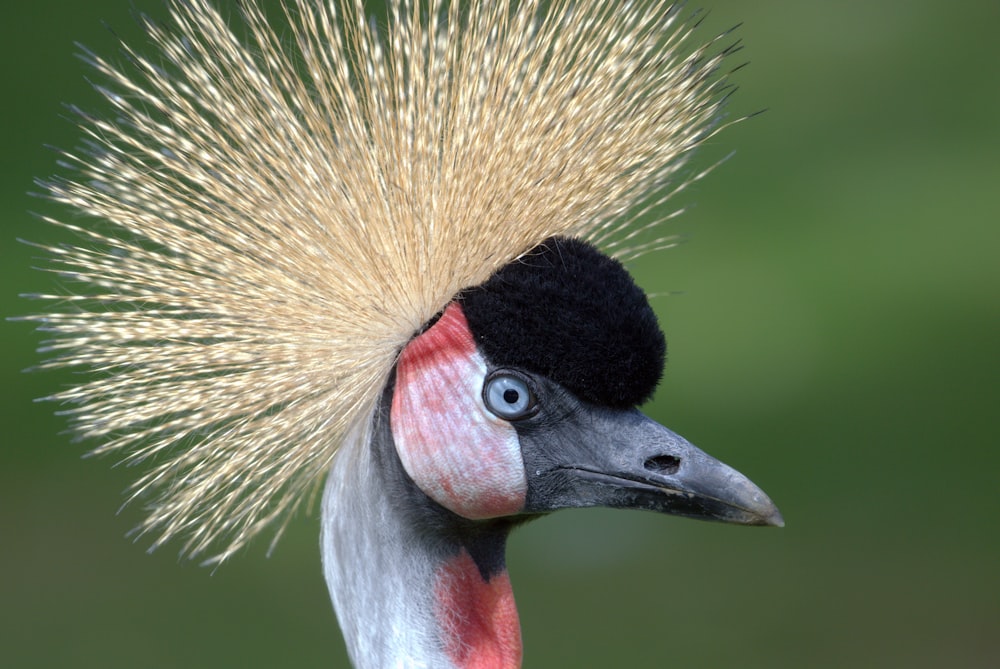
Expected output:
(509, 396)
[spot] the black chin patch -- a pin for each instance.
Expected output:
(568, 312)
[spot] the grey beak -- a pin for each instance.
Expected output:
(622, 459)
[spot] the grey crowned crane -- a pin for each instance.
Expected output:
(325, 251)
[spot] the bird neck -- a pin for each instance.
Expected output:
(413, 584)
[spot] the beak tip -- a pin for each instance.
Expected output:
(764, 512)
(755, 507)
(775, 519)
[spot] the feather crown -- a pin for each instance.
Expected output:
(265, 221)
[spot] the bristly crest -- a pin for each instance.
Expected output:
(264, 220)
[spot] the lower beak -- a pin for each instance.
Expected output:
(623, 459)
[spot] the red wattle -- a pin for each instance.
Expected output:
(478, 618)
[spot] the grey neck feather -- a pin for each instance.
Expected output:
(380, 572)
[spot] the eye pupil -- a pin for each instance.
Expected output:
(510, 396)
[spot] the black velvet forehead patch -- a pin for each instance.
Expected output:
(574, 315)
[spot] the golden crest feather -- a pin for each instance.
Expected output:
(267, 220)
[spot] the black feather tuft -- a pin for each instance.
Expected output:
(567, 311)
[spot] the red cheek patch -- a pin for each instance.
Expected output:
(477, 618)
(456, 451)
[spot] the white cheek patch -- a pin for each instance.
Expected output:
(456, 451)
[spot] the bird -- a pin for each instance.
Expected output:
(380, 266)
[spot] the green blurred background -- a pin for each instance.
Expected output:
(834, 337)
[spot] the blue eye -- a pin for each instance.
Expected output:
(508, 396)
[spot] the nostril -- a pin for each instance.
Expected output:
(663, 464)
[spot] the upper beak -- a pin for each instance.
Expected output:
(624, 459)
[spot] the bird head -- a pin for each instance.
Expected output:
(520, 399)
(277, 212)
